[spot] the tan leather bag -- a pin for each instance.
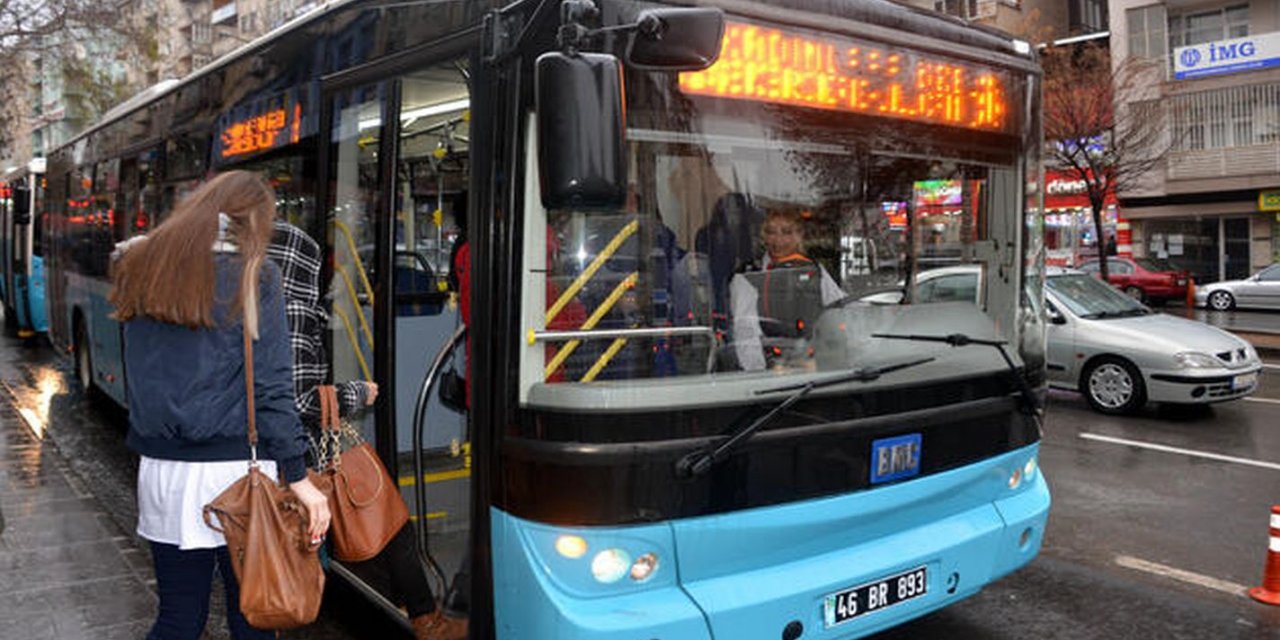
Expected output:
(281, 581)
(365, 502)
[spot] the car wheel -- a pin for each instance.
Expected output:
(1221, 301)
(1113, 386)
(1135, 292)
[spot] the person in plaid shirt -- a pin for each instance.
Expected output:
(299, 259)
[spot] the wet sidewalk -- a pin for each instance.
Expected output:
(67, 570)
(71, 566)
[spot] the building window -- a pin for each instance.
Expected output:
(1208, 26)
(1147, 34)
(201, 31)
(966, 9)
(1232, 117)
(1087, 16)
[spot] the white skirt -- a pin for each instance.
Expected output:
(172, 495)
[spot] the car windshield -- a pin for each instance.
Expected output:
(1155, 264)
(1088, 297)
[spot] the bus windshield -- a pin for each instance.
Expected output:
(754, 227)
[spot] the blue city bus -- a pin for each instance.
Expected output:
(22, 208)
(675, 431)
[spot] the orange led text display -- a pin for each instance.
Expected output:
(771, 65)
(264, 131)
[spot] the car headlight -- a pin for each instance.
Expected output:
(1251, 353)
(1195, 360)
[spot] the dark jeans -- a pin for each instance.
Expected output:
(408, 576)
(184, 580)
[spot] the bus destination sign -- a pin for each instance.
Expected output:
(841, 74)
(260, 124)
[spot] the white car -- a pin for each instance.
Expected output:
(1260, 291)
(1119, 353)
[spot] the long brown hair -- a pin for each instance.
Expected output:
(170, 276)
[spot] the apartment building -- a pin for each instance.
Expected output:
(190, 34)
(1213, 206)
(1037, 21)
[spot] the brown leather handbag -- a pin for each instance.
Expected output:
(281, 581)
(365, 502)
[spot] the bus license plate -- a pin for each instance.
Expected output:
(1244, 381)
(895, 458)
(846, 605)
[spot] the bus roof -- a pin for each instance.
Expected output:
(887, 14)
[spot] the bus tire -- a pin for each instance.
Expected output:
(84, 357)
(10, 322)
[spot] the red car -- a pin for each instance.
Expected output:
(1144, 279)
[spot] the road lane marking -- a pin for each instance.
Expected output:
(1267, 400)
(1270, 366)
(1188, 577)
(1186, 452)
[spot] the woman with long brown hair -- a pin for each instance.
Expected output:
(184, 295)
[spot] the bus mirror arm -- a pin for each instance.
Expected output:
(698, 462)
(961, 340)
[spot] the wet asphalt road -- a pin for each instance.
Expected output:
(1141, 543)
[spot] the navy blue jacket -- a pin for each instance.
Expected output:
(186, 386)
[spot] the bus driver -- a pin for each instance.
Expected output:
(774, 307)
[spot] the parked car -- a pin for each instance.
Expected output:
(1121, 354)
(1260, 291)
(1143, 279)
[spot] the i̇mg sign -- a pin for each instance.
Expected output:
(1227, 56)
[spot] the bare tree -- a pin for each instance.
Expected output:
(59, 30)
(1102, 123)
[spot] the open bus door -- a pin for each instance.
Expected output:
(397, 178)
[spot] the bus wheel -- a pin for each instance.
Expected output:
(10, 322)
(84, 362)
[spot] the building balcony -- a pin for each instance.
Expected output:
(1225, 162)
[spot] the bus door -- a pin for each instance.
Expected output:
(392, 310)
(429, 207)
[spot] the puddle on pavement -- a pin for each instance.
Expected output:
(33, 397)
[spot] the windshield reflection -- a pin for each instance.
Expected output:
(1088, 297)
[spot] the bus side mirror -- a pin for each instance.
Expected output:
(21, 205)
(676, 39)
(581, 120)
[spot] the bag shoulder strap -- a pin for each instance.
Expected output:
(330, 414)
(248, 393)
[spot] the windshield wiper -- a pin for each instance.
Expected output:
(961, 340)
(699, 462)
(1103, 315)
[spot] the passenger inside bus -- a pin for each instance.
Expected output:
(727, 242)
(775, 306)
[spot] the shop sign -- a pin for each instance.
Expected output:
(1269, 200)
(1227, 56)
(1063, 186)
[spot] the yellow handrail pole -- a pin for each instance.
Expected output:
(355, 348)
(605, 254)
(605, 357)
(618, 291)
(355, 257)
(355, 303)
